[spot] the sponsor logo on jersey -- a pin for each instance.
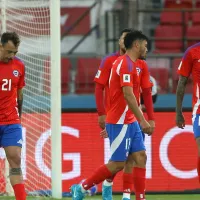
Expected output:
(98, 74)
(126, 78)
(16, 73)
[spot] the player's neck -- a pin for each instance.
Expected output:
(121, 52)
(133, 56)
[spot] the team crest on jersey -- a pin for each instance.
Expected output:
(138, 70)
(98, 74)
(16, 73)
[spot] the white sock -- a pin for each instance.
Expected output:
(82, 189)
(106, 183)
(127, 195)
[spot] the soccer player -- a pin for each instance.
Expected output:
(12, 72)
(102, 79)
(123, 130)
(190, 64)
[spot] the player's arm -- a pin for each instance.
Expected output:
(132, 102)
(21, 84)
(184, 71)
(101, 80)
(133, 106)
(99, 97)
(20, 101)
(180, 91)
(146, 86)
(126, 81)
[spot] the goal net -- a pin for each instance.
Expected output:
(31, 20)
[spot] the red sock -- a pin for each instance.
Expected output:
(98, 176)
(198, 168)
(139, 180)
(127, 183)
(19, 190)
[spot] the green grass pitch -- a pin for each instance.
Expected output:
(119, 197)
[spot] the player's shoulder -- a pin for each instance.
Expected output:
(141, 63)
(193, 50)
(17, 61)
(110, 57)
(125, 62)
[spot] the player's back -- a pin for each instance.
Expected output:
(122, 74)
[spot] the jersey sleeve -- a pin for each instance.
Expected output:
(185, 66)
(145, 77)
(126, 74)
(103, 73)
(21, 83)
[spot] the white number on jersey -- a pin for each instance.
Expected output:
(6, 86)
(128, 143)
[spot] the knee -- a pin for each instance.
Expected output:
(14, 160)
(141, 159)
(118, 166)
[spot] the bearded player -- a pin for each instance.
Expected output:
(12, 73)
(127, 144)
(102, 84)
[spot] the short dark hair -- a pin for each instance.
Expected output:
(126, 30)
(12, 36)
(133, 36)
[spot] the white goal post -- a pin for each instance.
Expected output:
(38, 24)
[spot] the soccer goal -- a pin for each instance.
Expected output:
(38, 24)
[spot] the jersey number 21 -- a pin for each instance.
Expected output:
(6, 85)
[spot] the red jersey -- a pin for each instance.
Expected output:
(123, 73)
(103, 75)
(190, 64)
(144, 78)
(11, 79)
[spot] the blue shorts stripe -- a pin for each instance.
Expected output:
(119, 139)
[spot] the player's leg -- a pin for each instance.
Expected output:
(12, 143)
(119, 152)
(139, 156)
(128, 175)
(128, 178)
(198, 162)
(196, 129)
(107, 188)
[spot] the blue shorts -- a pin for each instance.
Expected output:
(196, 125)
(11, 135)
(124, 140)
(143, 134)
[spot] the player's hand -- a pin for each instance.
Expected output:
(180, 121)
(104, 133)
(101, 121)
(146, 128)
(152, 124)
